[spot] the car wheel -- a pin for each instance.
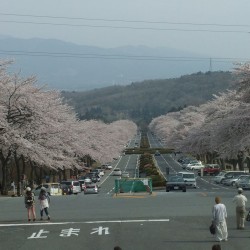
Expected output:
(184, 190)
(167, 190)
(233, 184)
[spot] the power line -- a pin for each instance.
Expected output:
(116, 56)
(126, 27)
(126, 21)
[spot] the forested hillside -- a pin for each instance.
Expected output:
(142, 101)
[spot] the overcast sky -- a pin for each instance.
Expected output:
(224, 25)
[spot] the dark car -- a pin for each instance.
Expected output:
(157, 153)
(65, 189)
(175, 183)
(93, 176)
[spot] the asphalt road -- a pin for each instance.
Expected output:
(173, 220)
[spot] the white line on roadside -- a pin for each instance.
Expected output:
(83, 222)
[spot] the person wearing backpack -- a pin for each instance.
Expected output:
(29, 202)
(44, 202)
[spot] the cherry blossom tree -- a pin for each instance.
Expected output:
(106, 141)
(38, 125)
(220, 126)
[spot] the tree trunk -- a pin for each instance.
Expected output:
(18, 174)
(4, 162)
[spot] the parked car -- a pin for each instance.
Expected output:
(230, 175)
(176, 183)
(210, 169)
(51, 189)
(232, 181)
(74, 186)
(102, 168)
(107, 166)
(117, 172)
(217, 179)
(91, 188)
(93, 176)
(87, 179)
(157, 153)
(189, 178)
(194, 166)
(125, 175)
(244, 184)
(188, 161)
(241, 180)
(98, 171)
(65, 189)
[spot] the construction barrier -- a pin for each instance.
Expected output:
(133, 185)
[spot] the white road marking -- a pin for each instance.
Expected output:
(83, 222)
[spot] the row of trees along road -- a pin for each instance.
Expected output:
(218, 130)
(37, 128)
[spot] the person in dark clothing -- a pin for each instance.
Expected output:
(29, 202)
(44, 202)
(216, 247)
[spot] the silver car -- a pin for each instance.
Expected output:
(91, 188)
(218, 178)
(244, 184)
(232, 181)
(242, 178)
(125, 175)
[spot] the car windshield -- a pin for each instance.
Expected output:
(90, 186)
(176, 179)
(221, 174)
(188, 176)
(67, 183)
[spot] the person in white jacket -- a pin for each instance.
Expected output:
(240, 201)
(219, 215)
(44, 202)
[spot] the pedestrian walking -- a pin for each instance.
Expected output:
(29, 201)
(44, 203)
(219, 215)
(240, 201)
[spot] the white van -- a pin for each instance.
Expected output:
(189, 178)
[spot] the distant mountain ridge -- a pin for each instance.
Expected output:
(67, 66)
(143, 101)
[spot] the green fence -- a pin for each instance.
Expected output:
(133, 185)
